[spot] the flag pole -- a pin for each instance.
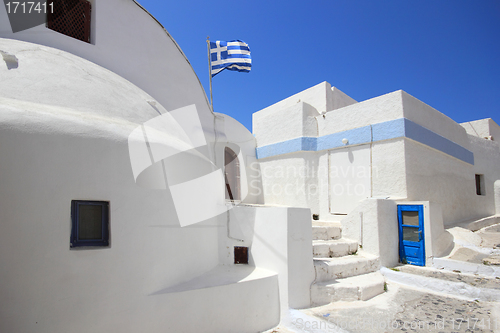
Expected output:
(210, 73)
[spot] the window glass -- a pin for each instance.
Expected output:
(90, 222)
(410, 218)
(411, 234)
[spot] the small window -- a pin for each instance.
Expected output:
(480, 185)
(71, 18)
(89, 223)
(241, 255)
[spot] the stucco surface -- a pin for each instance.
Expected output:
(483, 128)
(148, 57)
(322, 97)
(56, 78)
(283, 124)
(376, 110)
(436, 177)
(430, 118)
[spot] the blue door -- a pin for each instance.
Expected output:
(411, 234)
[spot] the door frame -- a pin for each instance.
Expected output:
(421, 220)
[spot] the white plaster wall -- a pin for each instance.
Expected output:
(349, 178)
(494, 130)
(282, 242)
(302, 179)
(486, 162)
(130, 42)
(376, 110)
(437, 177)
(44, 167)
(289, 180)
(449, 182)
(284, 124)
(279, 240)
(389, 177)
(430, 118)
(374, 225)
(483, 128)
(242, 142)
(339, 100)
(72, 143)
(323, 97)
(56, 78)
(324, 188)
(497, 196)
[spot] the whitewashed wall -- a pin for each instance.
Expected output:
(127, 40)
(65, 124)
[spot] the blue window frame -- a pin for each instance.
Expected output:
(89, 223)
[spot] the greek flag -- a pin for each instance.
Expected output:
(233, 55)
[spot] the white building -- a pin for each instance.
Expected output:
(356, 163)
(113, 215)
(127, 205)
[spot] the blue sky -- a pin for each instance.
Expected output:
(445, 53)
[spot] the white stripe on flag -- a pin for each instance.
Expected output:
(230, 60)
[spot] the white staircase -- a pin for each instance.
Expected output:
(343, 273)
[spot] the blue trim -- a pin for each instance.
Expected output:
(423, 135)
(392, 129)
(412, 252)
(75, 240)
(356, 136)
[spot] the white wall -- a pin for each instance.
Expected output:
(349, 178)
(282, 242)
(483, 128)
(131, 43)
(442, 179)
(41, 171)
(322, 97)
(72, 143)
(374, 225)
(376, 110)
(389, 178)
(284, 124)
(288, 180)
(430, 118)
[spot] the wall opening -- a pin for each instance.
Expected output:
(232, 175)
(480, 184)
(240, 255)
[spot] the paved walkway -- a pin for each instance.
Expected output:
(404, 309)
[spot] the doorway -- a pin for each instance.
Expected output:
(411, 234)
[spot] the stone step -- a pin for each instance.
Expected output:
(361, 287)
(337, 268)
(326, 230)
(334, 248)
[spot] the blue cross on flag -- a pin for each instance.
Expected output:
(233, 55)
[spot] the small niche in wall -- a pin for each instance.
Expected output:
(480, 184)
(241, 255)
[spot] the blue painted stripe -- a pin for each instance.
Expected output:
(392, 129)
(389, 130)
(429, 138)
